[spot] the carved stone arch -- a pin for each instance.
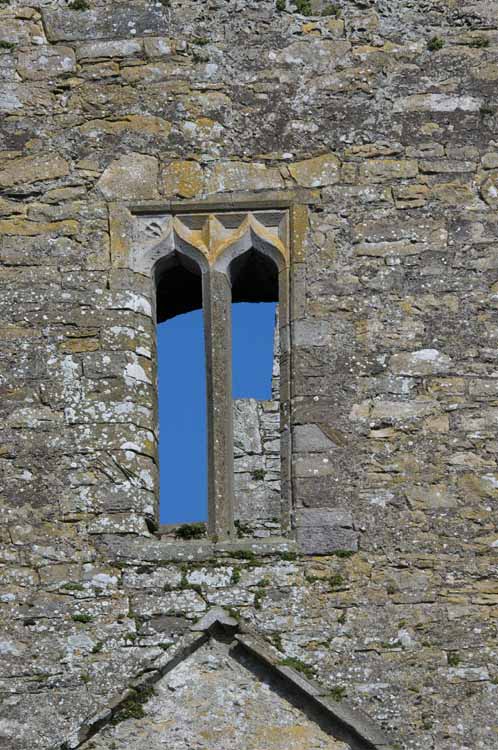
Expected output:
(158, 239)
(251, 234)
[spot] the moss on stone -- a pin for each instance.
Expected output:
(191, 531)
(297, 665)
(435, 43)
(132, 707)
(82, 618)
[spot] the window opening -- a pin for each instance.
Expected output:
(256, 417)
(209, 261)
(181, 395)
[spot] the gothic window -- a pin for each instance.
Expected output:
(212, 261)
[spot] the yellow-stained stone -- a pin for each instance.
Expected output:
(230, 176)
(410, 196)
(311, 28)
(76, 346)
(8, 208)
(299, 227)
(485, 71)
(135, 123)
(455, 194)
(335, 27)
(131, 177)
(321, 170)
(182, 178)
(372, 150)
(380, 170)
(33, 169)
(32, 228)
(437, 424)
(431, 497)
(120, 230)
(12, 332)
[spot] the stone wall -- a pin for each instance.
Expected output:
(382, 118)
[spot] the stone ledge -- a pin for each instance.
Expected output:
(131, 550)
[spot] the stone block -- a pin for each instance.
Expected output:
(182, 178)
(130, 177)
(45, 62)
(112, 49)
(421, 362)
(322, 170)
(230, 176)
(30, 169)
(112, 22)
(386, 170)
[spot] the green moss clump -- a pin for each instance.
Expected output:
(331, 10)
(132, 707)
(479, 42)
(191, 531)
(298, 665)
(343, 553)
(242, 529)
(280, 5)
(288, 556)
(69, 586)
(79, 5)
(235, 575)
(435, 43)
(82, 618)
(453, 659)
(303, 7)
(338, 694)
(7, 45)
(258, 474)
(335, 581)
(243, 554)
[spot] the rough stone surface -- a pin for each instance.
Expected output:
(393, 416)
(233, 709)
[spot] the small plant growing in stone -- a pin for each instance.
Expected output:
(288, 556)
(235, 575)
(435, 43)
(82, 618)
(280, 5)
(297, 665)
(79, 5)
(331, 10)
(453, 659)
(486, 110)
(303, 7)
(242, 529)
(338, 694)
(258, 474)
(191, 531)
(336, 581)
(479, 42)
(132, 707)
(6, 45)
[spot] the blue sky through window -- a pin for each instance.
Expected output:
(182, 399)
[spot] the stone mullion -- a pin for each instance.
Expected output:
(217, 304)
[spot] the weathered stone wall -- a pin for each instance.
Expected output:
(385, 113)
